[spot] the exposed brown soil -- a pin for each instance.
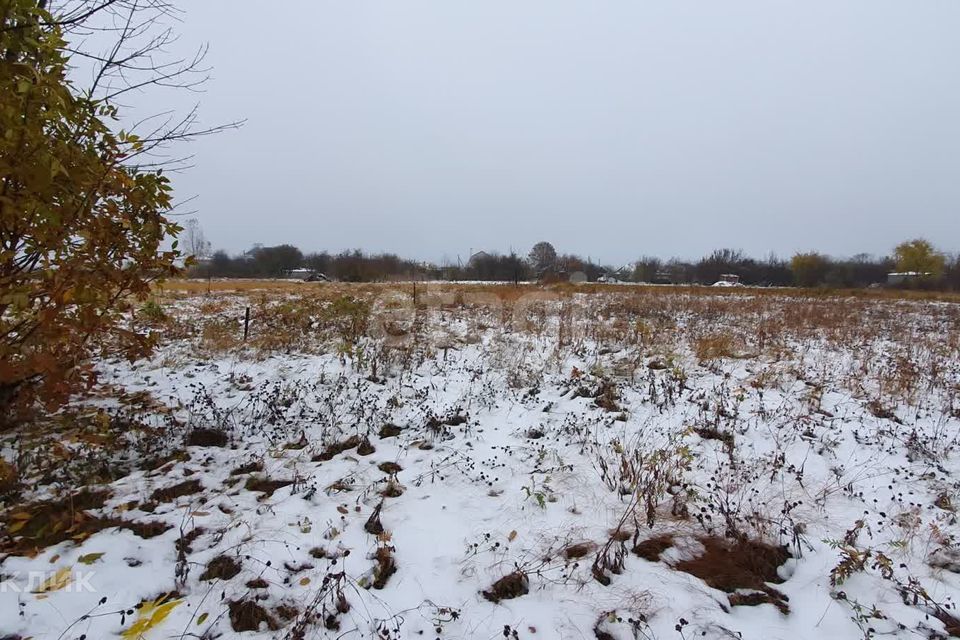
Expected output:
(221, 568)
(757, 598)
(390, 467)
(206, 438)
(712, 433)
(247, 615)
(510, 586)
(297, 568)
(144, 530)
(286, 612)
(36, 526)
(579, 550)
(184, 543)
(389, 431)
(651, 548)
(250, 467)
(154, 463)
(731, 565)
(620, 534)
(365, 448)
(264, 485)
(338, 447)
(455, 420)
(169, 494)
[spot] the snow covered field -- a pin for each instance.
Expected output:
(501, 462)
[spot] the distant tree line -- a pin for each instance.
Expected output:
(922, 265)
(280, 260)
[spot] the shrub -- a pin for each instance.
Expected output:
(80, 231)
(151, 311)
(809, 269)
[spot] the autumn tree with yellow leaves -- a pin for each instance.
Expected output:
(84, 207)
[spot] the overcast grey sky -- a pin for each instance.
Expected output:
(610, 128)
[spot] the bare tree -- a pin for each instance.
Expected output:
(195, 244)
(127, 45)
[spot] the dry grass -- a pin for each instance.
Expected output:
(508, 291)
(732, 565)
(383, 327)
(713, 346)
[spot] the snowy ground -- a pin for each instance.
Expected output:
(527, 464)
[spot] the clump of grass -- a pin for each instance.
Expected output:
(250, 467)
(578, 550)
(247, 615)
(264, 485)
(218, 335)
(33, 527)
(152, 312)
(221, 568)
(203, 437)
(714, 346)
(171, 493)
(337, 447)
(385, 566)
(652, 548)
(512, 585)
(732, 565)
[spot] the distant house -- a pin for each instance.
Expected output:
(906, 277)
(477, 257)
(251, 254)
(728, 280)
(623, 274)
(305, 275)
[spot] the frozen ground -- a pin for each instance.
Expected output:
(528, 464)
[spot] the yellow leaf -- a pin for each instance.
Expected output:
(151, 615)
(16, 526)
(57, 581)
(21, 515)
(202, 618)
(512, 536)
(304, 582)
(89, 558)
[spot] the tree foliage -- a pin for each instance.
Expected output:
(81, 229)
(809, 269)
(919, 256)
